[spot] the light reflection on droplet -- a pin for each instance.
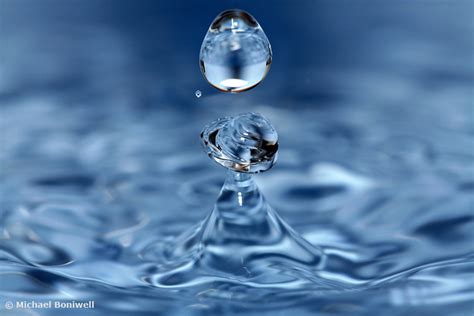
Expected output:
(234, 83)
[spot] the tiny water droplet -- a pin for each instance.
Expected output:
(235, 54)
(198, 93)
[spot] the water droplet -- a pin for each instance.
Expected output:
(198, 93)
(245, 143)
(235, 54)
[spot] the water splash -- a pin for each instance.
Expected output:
(243, 238)
(235, 53)
(86, 226)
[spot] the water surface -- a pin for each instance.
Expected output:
(101, 162)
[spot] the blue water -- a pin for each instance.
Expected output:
(102, 167)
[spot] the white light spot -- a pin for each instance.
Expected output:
(234, 83)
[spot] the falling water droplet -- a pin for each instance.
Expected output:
(198, 93)
(235, 54)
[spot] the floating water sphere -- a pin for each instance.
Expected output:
(235, 54)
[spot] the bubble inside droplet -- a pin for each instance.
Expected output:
(198, 93)
(235, 54)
